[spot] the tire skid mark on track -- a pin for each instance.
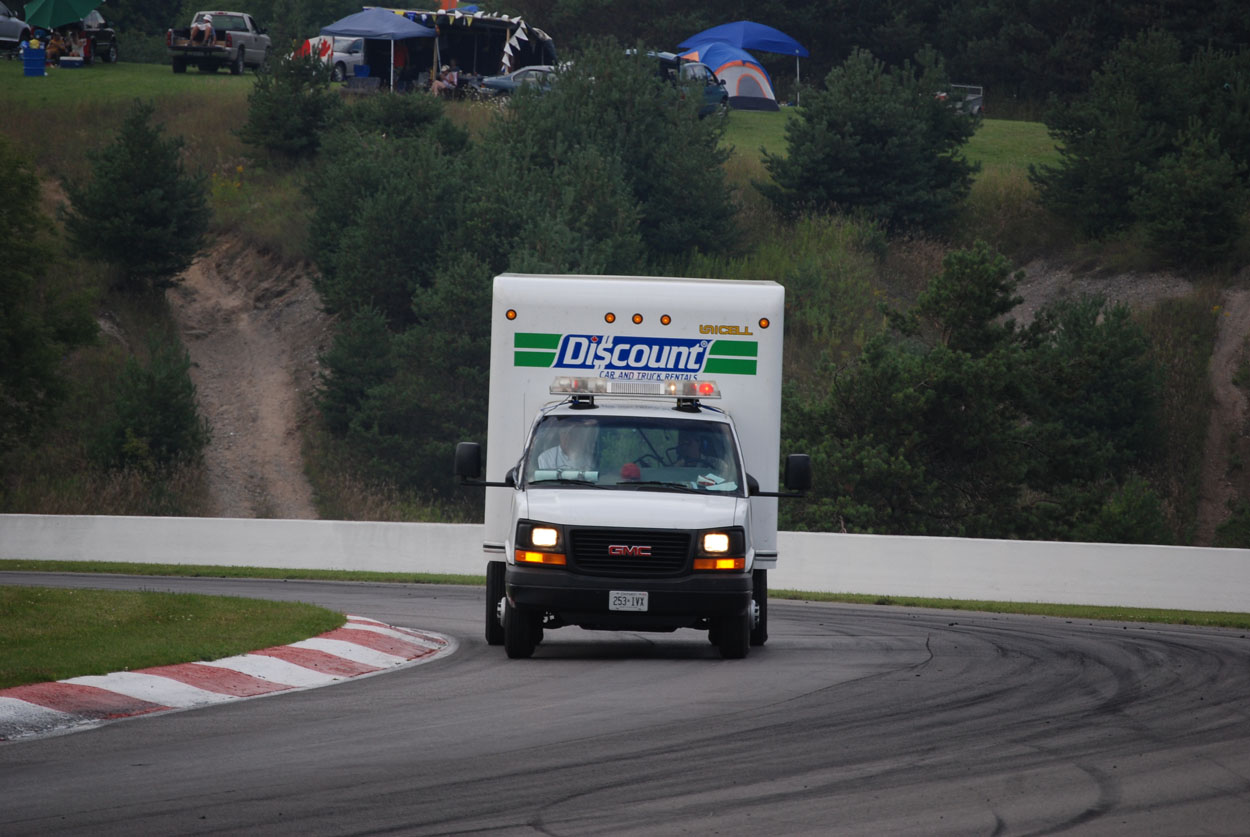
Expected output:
(360, 648)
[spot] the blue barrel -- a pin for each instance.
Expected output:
(33, 61)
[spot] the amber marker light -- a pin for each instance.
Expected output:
(524, 556)
(764, 322)
(720, 563)
(609, 317)
(637, 318)
(510, 313)
(665, 319)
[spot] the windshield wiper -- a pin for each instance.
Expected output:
(679, 486)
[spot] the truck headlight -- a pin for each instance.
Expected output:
(539, 543)
(721, 549)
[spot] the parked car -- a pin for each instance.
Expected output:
(695, 77)
(536, 74)
(102, 37)
(343, 54)
(13, 30)
(967, 98)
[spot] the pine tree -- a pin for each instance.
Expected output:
(141, 213)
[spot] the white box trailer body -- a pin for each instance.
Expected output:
(622, 332)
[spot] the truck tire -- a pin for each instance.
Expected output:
(110, 54)
(759, 583)
(521, 632)
(236, 66)
(339, 73)
(180, 66)
(494, 595)
(733, 636)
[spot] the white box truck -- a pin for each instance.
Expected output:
(633, 438)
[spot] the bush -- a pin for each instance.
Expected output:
(876, 141)
(154, 422)
(1191, 205)
(289, 108)
(41, 316)
(140, 213)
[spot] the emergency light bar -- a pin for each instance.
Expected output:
(568, 385)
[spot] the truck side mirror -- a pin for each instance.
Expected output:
(468, 460)
(798, 472)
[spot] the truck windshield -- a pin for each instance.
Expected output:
(631, 453)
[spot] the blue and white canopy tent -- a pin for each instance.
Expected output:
(379, 24)
(746, 34)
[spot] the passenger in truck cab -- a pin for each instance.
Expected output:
(691, 453)
(573, 449)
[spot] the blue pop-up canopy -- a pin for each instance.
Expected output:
(379, 24)
(746, 34)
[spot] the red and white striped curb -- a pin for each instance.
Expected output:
(361, 647)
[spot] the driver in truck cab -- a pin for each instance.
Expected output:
(572, 449)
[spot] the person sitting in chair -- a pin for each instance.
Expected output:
(440, 86)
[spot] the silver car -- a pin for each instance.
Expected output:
(13, 30)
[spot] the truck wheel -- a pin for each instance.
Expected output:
(759, 583)
(339, 73)
(180, 66)
(521, 632)
(733, 636)
(236, 67)
(494, 595)
(110, 57)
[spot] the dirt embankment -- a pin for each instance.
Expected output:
(254, 328)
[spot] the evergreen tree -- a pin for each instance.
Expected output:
(290, 107)
(154, 421)
(41, 316)
(876, 141)
(141, 212)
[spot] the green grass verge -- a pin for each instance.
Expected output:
(1120, 614)
(119, 83)
(998, 145)
(51, 634)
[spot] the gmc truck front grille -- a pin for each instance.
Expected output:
(630, 552)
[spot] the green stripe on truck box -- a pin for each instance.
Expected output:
(728, 366)
(535, 340)
(540, 359)
(735, 348)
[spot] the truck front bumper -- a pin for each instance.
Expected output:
(682, 602)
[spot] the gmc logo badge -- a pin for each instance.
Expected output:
(630, 551)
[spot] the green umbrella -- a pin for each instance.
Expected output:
(49, 14)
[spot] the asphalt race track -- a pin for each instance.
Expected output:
(852, 720)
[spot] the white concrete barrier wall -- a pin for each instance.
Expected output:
(1184, 578)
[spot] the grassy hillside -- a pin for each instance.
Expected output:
(57, 120)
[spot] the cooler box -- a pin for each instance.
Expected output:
(361, 70)
(70, 62)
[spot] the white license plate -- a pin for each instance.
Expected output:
(635, 600)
